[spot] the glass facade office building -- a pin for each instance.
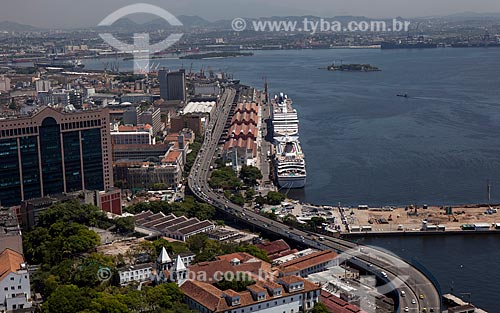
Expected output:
(54, 152)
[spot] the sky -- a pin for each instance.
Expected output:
(81, 13)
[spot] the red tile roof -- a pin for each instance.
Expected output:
(214, 299)
(10, 262)
(274, 247)
(337, 305)
(308, 261)
(245, 118)
(172, 157)
(247, 107)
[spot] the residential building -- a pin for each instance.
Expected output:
(42, 85)
(4, 83)
(15, 290)
(195, 123)
(207, 88)
(151, 116)
(309, 264)
(172, 85)
(76, 98)
(135, 273)
(54, 152)
(275, 248)
(335, 304)
(54, 97)
(288, 294)
(10, 231)
(147, 174)
(162, 79)
(132, 135)
(109, 200)
(139, 152)
(136, 97)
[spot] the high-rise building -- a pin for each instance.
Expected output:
(53, 152)
(172, 85)
(132, 135)
(162, 78)
(42, 85)
(151, 116)
(176, 82)
(4, 83)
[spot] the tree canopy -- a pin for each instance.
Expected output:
(320, 308)
(60, 241)
(225, 178)
(166, 298)
(275, 198)
(189, 207)
(74, 211)
(250, 175)
(207, 249)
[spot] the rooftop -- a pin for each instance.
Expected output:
(308, 261)
(214, 300)
(274, 247)
(10, 262)
(335, 304)
(203, 107)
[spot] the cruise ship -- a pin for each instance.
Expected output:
(290, 164)
(284, 117)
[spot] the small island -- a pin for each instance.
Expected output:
(353, 68)
(213, 55)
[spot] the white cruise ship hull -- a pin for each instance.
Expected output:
(292, 181)
(287, 133)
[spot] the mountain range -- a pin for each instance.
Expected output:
(127, 24)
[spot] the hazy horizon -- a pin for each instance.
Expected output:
(70, 14)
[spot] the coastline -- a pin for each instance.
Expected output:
(417, 233)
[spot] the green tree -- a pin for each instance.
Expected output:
(253, 250)
(159, 186)
(250, 175)
(238, 284)
(189, 207)
(191, 157)
(197, 242)
(238, 199)
(61, 241)
(249, 194)
(225, 178)
(74, 211)
(125, 225)
(260, 200)
(320, 308)
(291, 220)
(68, 299)
(316, 222)
(107, 303)
(275, 198)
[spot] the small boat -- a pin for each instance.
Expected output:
(402, 95)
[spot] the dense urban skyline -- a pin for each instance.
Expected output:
(57, 13)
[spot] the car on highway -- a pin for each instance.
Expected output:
(384, 274)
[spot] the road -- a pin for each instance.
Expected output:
(414, 283)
